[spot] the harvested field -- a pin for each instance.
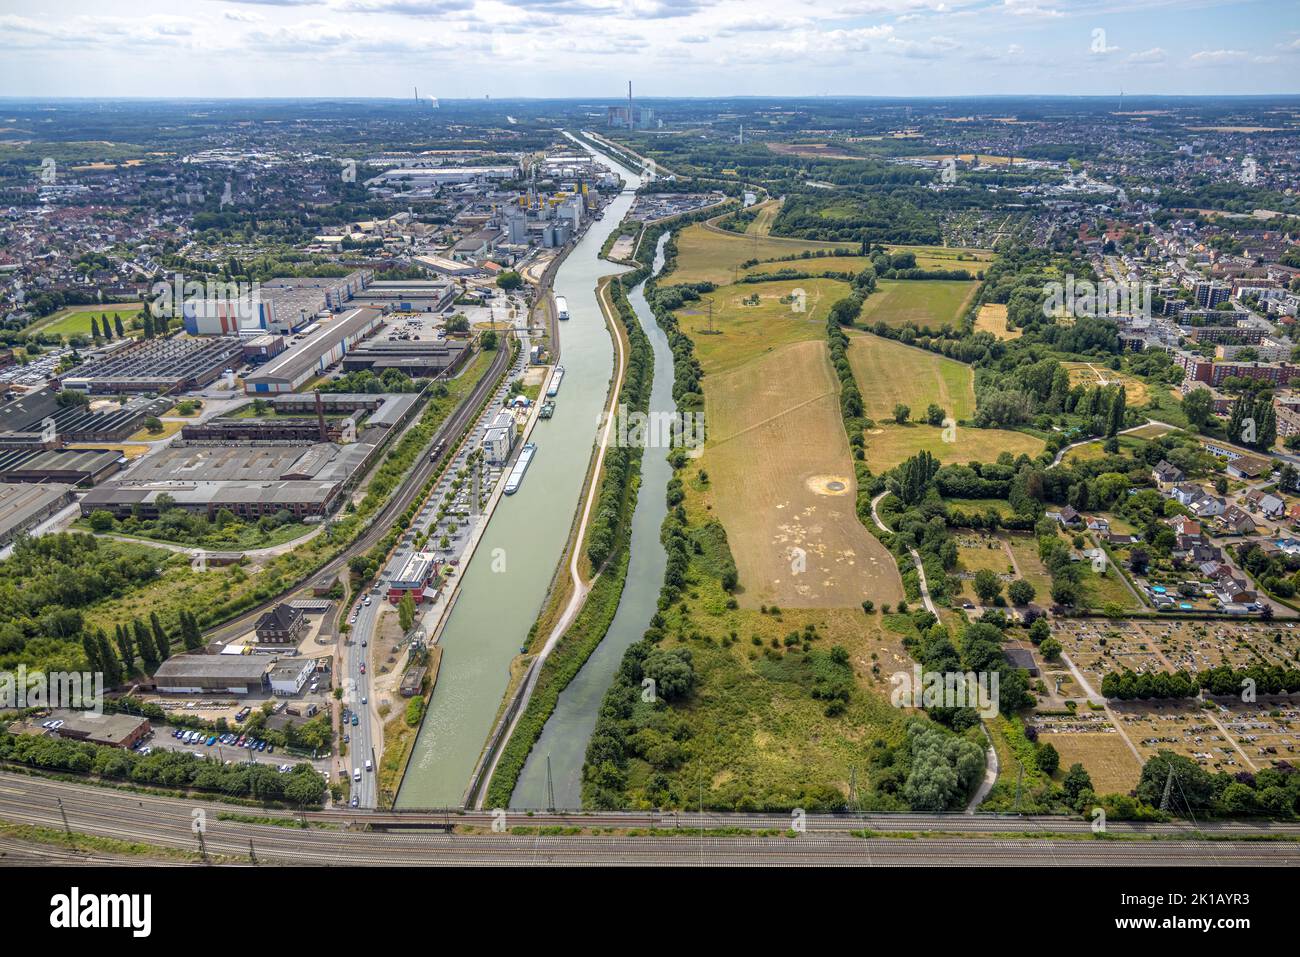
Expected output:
(776, 456)
(992, 317)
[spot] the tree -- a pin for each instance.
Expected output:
(488, 340)
(94, 329)
(160, 640)
(934, 414)
(101, 520)
(987, 586)
(118, 328)
(1076, 782)
(1047, 758)
(1020, 592)
(671, 671)
(406, 612)
(901, 413)
(510, 280)
(1040, 631)
(144, 642)
(1050, 649)
(1198, 406)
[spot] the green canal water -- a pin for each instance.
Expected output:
(505, 583)
(564, 739)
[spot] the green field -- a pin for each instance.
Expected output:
(75, 320)
(708, 254)
(743, 332)
(927, 303)
(889, 373)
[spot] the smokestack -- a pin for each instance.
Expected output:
(629, 104)
(320, 418)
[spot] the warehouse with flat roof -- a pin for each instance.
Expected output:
(70, 466)
(320, 346)
(166, 365)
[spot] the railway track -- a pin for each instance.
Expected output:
(336, 838)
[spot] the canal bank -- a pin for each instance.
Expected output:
(563, 743)
(506, 581)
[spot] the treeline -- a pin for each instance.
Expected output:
(47, 581)
(622, 466)
(302, 787)
(1224, 681)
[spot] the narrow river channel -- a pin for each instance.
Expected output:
(564, 739)
(506, 581)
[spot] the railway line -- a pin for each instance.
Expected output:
(341, 838)
(379, 526)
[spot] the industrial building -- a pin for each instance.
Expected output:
(447, 267)
(70, 466)
(25, 505)
(418, 358)
(409, 295)
(320, 346)
(214, 674)
(416, 576)
(282, 305)
(28, 421)
(249, 480)
(156, 365)
(288, 677)
(416, 177)
(94, 727)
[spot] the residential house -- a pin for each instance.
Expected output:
(1166, 474)
(1237, 521)
(282, 625)
(1098, 524)
(1266, 502)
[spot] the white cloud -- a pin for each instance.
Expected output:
(1154, 55)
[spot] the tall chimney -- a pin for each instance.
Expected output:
(629, 104)
(320, 417)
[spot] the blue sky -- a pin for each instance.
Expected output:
(506, 48)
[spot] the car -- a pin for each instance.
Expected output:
(363, 642)
(352, 620)
(356, 774)
(365, 700)
(146, 750)
(363, 668)
(367, 601)
(242, 739)
(46, 724)
(368, 765)
(354, 721)
(355, 801)
(261, 745)
(212, 740)
(175, 734)
(270, 748)
(347, 738)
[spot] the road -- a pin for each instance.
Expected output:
(938, 840)
(383, 520)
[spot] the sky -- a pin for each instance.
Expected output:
(592, 48)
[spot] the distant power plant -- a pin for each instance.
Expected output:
(631, 117)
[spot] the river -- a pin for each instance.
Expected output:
(506, 581)
(564, 739)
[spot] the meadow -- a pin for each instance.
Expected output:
(924, 303)
(75, 320)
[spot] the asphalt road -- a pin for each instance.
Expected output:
(423, 469)
(169, 822)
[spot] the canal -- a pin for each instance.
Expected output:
(506, 581)
(564, 739)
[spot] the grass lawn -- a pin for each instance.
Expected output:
(707, 254)
(75, 320)
(742, 333)
(766, 215)
(1093, 374)
(925, 303)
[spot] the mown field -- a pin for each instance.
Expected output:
(926, 303)
(75, 320)
(992, 317)
(889, 373)
(743, 331)
(1093, 374)
(709, 254)
(781, 481)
